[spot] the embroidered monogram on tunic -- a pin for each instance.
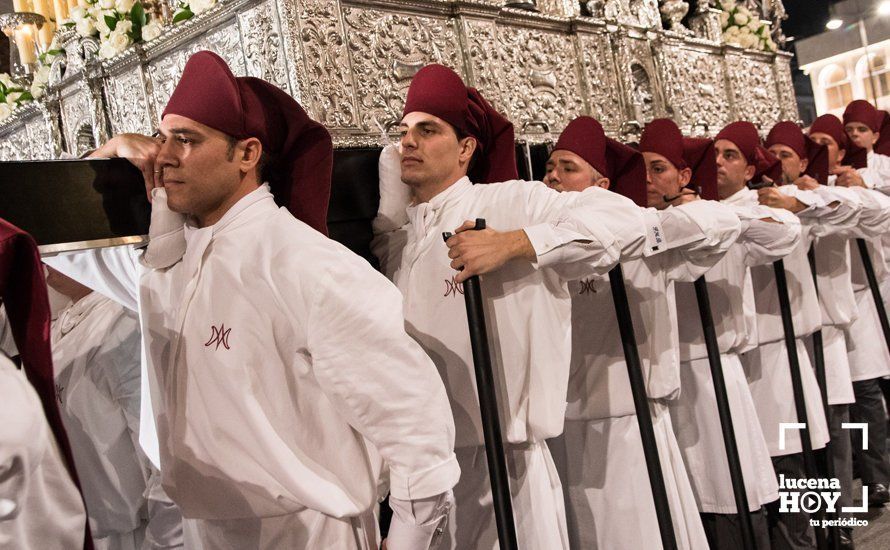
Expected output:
(59, 390)
(452, 287)
(586, 286)
(219, 336)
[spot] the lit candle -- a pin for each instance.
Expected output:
(24, 41)
(45, 8)
(61, 9)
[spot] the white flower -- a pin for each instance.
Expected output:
(119, 39)
(5, 111)
(151, 30)
(77, 13)
(724, 18)
(200, 6)
(123, 27)
(124, 6)
(101, 25)
(748, 41)
(85, 27)
(6, 80)
(106, 50)
(741, 19)
(11, 98)
(106, 4)
(744, 31)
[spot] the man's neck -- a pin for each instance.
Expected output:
(731, 191)
(80, 295)
(206, 220)
(425, 193)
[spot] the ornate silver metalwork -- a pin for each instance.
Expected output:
(349, 63)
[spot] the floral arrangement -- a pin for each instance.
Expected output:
(190, 8)
(14, 94)
(118, 23)
(743, 28)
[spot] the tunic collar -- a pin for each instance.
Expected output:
(424, 216)
(260, 194)
(74, 313)
(740, 197)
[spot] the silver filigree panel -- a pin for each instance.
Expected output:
(263, 49)
(600, 78)
(386, 50)
(636, 67)
(640, 13)
(540, 77)
(41, 139)
(323, 69)
(694, 86)
(753, 90)
(785, 87)
(76, 118)
(481, 47)
(128, 102)
(16, 145)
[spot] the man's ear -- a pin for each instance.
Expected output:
(804, 162)
(685, 177)
(749, 172)
(467, 148)
(248, 153)
(841, 153)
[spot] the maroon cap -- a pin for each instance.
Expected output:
(744, 135)
(623, 165)
(300, 149)
(832, 126)
(767, 165)
(790, 135)
(23, 293)
(699, 156)
(439, 91)
(663, 137)
(863, 112)
(882, 145)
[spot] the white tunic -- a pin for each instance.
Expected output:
(40, 507)
(527, 306)
(609, 508)
(767, 366)
(96, 346)
(280, 372)
(696, 235)
(694, 413)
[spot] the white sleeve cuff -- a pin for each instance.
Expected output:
(430, 482)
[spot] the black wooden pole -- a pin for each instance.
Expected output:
(488, 405)
(800, 406)
(641, 405)
(725, 413)
(822, 380)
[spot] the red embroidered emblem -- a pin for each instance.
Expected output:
(587, 286)
(219, 336)
(453, 287)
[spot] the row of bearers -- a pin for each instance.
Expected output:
(292, 387)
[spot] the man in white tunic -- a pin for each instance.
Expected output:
(600, 455)
(868, 354)
(96, 352)
(742, 159)
(41, 507)
(537, 240)
(280, 370)
(765, 236)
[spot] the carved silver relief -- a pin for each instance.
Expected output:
(706, 25)
(640, 89)
(694, 86)
(324, 71)
(263, 49)
(386, 50)
(41, 139)
(540, 75)
(600, 79)
(640, 13)
(77, 120)
(785, 87)
(673, 12)
(753, 90)
(482, 50)
(127, 102)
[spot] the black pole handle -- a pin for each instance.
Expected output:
(488, 406)
(723, 410)
(641, 405)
